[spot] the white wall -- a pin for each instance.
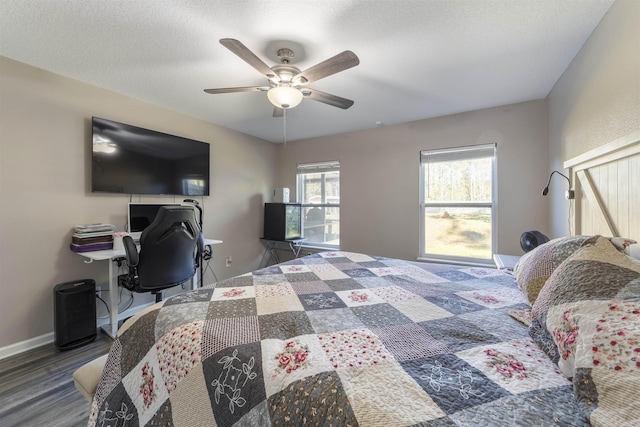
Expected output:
(379, 174)
(45, 128)
(597, 99)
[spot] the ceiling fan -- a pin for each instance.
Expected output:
(287, 85)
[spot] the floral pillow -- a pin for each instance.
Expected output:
(587, 319)
(534, 268)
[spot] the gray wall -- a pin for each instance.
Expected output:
(597, 99)
(45, 189)
(379, 174)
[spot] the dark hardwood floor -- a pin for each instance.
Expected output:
(36, 387)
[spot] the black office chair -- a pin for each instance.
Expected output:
(170, 250)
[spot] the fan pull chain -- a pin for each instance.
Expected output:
(284, 125)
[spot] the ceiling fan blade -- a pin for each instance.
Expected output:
(327, 98)
(238, 89)
(278, 112)
(333, 65)
(250, 58)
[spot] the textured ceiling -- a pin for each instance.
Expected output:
(418, 58)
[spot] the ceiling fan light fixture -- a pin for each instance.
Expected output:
(284, 97)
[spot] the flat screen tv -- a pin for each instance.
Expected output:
(133, 160)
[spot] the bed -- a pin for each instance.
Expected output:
(342, 338)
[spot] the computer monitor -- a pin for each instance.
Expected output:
(141, 215)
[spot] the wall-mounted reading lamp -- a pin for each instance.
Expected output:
(570, 194)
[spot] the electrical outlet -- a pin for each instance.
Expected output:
(228, 261)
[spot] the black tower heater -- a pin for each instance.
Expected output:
(74, 313)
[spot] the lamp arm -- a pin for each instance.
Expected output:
(546, 189)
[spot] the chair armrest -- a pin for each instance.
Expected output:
(132, 252)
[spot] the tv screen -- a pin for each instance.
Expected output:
(133, 160)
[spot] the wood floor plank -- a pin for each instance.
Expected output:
(36, 387)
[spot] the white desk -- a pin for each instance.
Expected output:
(505, 262)
(112, 255)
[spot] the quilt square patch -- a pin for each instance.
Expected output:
(268, 279)
(333, 320)
(374, 281)
(327, 272)
(178, 351)
(232, 308)
(278, 304)
(416, 272)
(495, 298)
(400, 402)
(315, 400)
(455, 275)
(452, 383)
(288, 361)
(118, 410)
(457, 333)
(481, 272)
(484, 283)
(359, 297)
(227, 294)
(420, 310)
(295, 268)
(302, 288)
(273, 290)
(270, 270)
(336, 259)
(145, 386)
(284, 325)
(199, 295)
(379, 315)
(321, 301)
(454, 303)
(351, 348)
(517, 366)
(562, 410)
(302, 277)
(174, 316)
(420, 288)
(346, 266)
(500, 324)
(187, 411)
(357, 257)
(343, 284)
(222, 333)
(234, 382)
(139, 338)
(394, 293)
(238, 281)
(409, 341)
(360, 272)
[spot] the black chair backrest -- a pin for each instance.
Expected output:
(169, 249)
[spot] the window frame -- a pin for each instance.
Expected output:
(493, 204)
(317, 167)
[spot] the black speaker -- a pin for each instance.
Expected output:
(74, 313)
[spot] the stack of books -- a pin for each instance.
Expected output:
(92, 237)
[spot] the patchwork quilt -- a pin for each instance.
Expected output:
(337, 338)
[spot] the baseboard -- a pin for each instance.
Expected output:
(22, 346)
(31, 343)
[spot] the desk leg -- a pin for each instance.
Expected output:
(270, 255)
(295, 248)
(113, 302)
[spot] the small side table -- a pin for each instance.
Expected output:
(271, 254)
(505, 262)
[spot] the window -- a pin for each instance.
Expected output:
(457, 203)
(319, 194)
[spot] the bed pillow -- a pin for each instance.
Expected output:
(534, 268)
(587, 318)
